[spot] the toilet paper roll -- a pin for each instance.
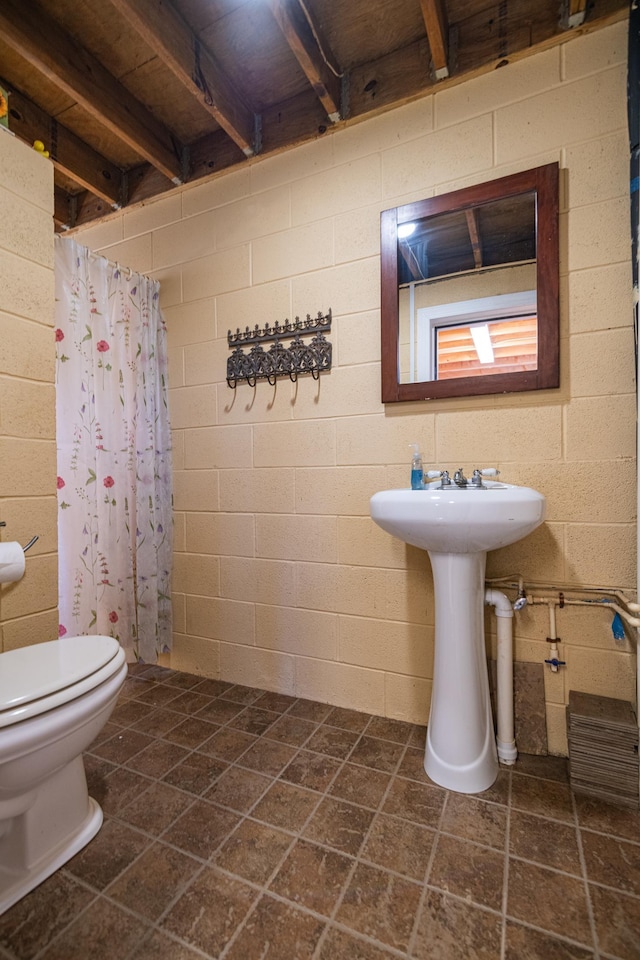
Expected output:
(11, 561)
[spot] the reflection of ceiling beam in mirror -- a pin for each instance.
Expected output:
(476, 246)
(470, 239)
(409, 257)
(435, 20)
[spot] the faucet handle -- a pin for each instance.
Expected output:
(442, 475)
(476, 479)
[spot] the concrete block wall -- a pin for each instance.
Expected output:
(281, 579)
(29, 607)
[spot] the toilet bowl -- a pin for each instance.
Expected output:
(55, 698)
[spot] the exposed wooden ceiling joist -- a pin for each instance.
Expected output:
(30, 31)
(577, 12)
(166, 32)
(411, 261)
(474, 236)
(73, 157)
(62, 216)
(435, 20)
(312, 53)
(96, 81)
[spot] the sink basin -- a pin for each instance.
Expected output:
(459, 520)
(457, 526)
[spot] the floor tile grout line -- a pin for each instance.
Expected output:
(279, 714)
(425, 881)
(542, 816)
(385, 736)
(265, 733)
(61, 932)
(357, 935)
(235, 764)
(265, 887)
(356, 859)
(585, 880)
(563, 938)
(406, 746)
(154, 840)
(546, 866)
(170, 936)
(345, 760)
(183, 887)
(573, 876)
(204, 865)
(609, 836)
(294, 839)
(249, 815)
(189, 751)
(617, 890)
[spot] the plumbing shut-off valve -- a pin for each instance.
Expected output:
(553, 660)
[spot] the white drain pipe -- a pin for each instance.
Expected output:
(505, 739)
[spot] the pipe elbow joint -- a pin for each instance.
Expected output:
(500, 601)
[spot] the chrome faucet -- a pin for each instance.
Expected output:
(459, 478)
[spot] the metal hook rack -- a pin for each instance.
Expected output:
(299, 357)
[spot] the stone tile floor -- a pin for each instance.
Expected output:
(245, 825)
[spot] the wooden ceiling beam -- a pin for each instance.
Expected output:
(576, 13)
(474, 236)
(62, 209)
(30, 31)
(69, 154)
(165, 31)
(411, 261)
(312, 53)
(435, 21)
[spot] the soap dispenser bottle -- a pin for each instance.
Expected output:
(416, 468)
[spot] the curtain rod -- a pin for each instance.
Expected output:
(114, 264)
(118, 266)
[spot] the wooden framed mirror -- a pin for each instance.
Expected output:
(470, 290)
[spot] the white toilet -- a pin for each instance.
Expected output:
(54, 699)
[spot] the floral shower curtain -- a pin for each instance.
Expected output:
(114, 454)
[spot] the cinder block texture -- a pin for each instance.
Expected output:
(284, 581)
(29, 607)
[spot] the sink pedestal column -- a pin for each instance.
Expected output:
(461, 747)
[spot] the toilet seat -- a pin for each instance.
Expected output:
(43, 676)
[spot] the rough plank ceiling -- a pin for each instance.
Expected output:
(132, 97)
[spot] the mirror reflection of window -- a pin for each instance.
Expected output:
(477, 349)
(461, 301)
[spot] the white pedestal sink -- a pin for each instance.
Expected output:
(457, 526)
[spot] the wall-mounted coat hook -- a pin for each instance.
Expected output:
(301, 356)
